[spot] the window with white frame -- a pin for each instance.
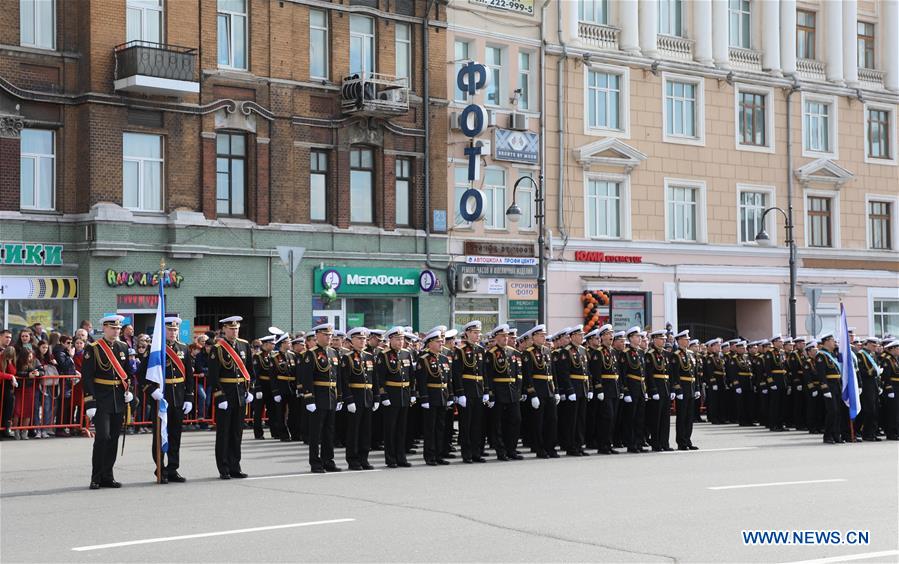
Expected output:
(403, 44)
(805, 34)
(886, 316)
(142, 171)
(753, 109)
(683, 203)
(37, 170)
(819, 217)
(362, 45)
(37, 23)
(494, 63)
(524, 198)
(362, 186)
(880, 225)
(594, 11)
(603, 208)
(232, 34)
(739, 20)
(753, 204)
(318, 44)
(143, 21)
(318, 186)
(670, 17)
(460, 184)
(485, 310)
(878, 133)
(403, 191)
(604, 100)
(495, 198)
(818, 123)
(460, 54)
(865, 45)
(683, 111)
(524, 80)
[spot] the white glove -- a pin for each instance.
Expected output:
(386, 403)
(773, 388)
(535, 403)
(655, 397)
(450, 402)
(790, 390)
(672, 395)
(620, 396)
(558, 398)
(524, 397)
(891, 395)
(375, 406)
(157, 394)
(799, 388)
(462, 401)
(486, 398)
(589, 396)
(814, 393)
(223, 405)
(828, 395)
(412, 400)
(679, 396)
(739, 391)
(90, 412)
(715, 388)
(129, 397)
(572, 397)
(696, 395)
(601, 396)
(310, 407)
(628, 399)
(248, 398)
(490, 404)
(187, 407)
(258, 395)
(351, 407)
(764, 392)
(339, 405)
(277, 398)
(426, 405)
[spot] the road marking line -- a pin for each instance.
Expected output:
(864, 556)
(708, 450)
(310, 474)
(741, 486)
(213, 534)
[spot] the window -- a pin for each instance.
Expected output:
(37, 170)
(143, 21)
(318, 44)
(494, 65)
(403, 192)
(232, 34)
(865, 45)
(752, 207)
(878, 134)
(37, 23)
(142, 171)
(682, 110)
(739, 16)
(816, 123)
(230, 174)
(684, 215)
(805, 34)
(819, 221)
(886, 317)
(594, 11)
(603, 100)
(524, 80)
(403, 50)
(485, 310)
(362, 173)
(670, 17)
(362, 45)
(318, 186)
(461, 57)
(495, 198)
(752, 118)
(525, 198)
(603, 209)
(460, 181)
(880, 225)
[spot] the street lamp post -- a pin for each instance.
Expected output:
(763, 239)
(514, 214)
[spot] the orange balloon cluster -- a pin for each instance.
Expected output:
(592, 299)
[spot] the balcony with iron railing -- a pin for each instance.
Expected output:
(745, 59)
(675, 47)
(156, 69)
(599, 36)
(374, 94)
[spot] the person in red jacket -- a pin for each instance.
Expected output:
(10, 383)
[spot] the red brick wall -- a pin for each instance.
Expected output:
(9, 173)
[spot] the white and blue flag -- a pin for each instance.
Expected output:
(156, 367)
(851, 395)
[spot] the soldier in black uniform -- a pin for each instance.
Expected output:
(829, 379)
(739, 372)
(284, 390)
(573, 364)
(434, 377)
(868, 374)
(890, 379)
(229, 381)
(658, 412)
(503, 379)
(683, 380)
(632, 369)
(179, 394)
(263, 375)
(319, 374)
(298, 347)
(713, 369)
(775, 363)
(393, 374)
(795, 373)
(357, 382)
(107, 377)
(471, 393)
(603, 366)
(538, 383)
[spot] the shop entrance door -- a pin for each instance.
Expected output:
(210, 310)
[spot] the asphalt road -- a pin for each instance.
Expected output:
(647, 507)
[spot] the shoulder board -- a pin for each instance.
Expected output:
(530, 348)
(239, 340)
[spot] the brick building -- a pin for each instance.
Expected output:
(210, 134)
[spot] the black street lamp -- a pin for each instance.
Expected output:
(763, 240)
(514, 214)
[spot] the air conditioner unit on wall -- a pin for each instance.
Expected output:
(518, 121)
(467, 283)
(454, 121)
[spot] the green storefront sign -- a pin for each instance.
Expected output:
(523, 309)
(27, 254)
(353, 281)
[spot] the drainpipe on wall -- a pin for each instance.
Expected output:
(561, 103)
(426, 103)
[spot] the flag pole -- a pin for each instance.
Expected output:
(158, 430)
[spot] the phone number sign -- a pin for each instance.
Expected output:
(519, 6)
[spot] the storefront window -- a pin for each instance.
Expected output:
(485, 310)
(378, 313)
(54, 315)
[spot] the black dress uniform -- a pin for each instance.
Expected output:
(658, 413)
(504, 380)
(796, 405)
(713, 368)
(393, 372)
(830, 381)
(632, 368)
(890, 378)
(229, 383)
(777, 380)
(287, 411)
(179, 388)
(538, 382)
(319, 373)
(603, 366)
(814, 406)
(468, 381)
(104, 390)
(573, 379)
(434, 377)
(683, 379)
(264, 374)
(357, 381)
(739, 372)
(868, 376)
